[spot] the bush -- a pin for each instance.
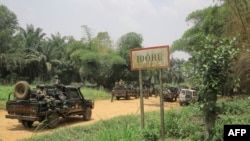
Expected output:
(151, 131)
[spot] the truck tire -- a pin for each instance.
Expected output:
(188, 97)
(52, 120)
(174, 99)
(127, 97)
(21, 90)
(136, 96)
(87, 113)
(27, 124)
(181, 103)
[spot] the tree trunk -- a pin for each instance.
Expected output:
(210, 114)
(210, 118)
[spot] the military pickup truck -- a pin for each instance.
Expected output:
(170, 93)
(124, 92)
(47, 104)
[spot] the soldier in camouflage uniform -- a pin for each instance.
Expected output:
(49, 100)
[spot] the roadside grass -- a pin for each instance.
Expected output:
(4, 93)
(185, 124)
(95, 94)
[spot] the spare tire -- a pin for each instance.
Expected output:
(188, 97)
(21, 90)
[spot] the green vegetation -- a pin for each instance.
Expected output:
(95, 94)
(27, 53)
(4, 93)
(185, 124)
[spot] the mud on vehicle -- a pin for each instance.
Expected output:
(47, 104)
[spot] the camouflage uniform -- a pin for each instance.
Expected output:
(49, 100)
(56, 81)
(41, 90)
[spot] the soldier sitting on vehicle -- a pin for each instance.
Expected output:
(58, 83)
(116, 85)
(63, 98)
(56, 80)
(43, 96)
(41, 90)
(122, 84)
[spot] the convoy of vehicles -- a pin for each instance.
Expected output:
(48, 103)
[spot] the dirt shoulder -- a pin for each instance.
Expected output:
(11, 130)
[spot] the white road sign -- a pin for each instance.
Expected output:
(150, 57)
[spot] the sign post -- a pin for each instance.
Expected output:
(141, 100)
(151, 58)
(162, 107)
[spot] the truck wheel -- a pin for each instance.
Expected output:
(174, 99)
(181, 103)
(21, 90)
(27, 124)
(117, 98)
(53, 120)
(87, 114)
(136, 96)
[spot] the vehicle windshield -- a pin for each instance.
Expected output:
(188, 92)
(194, 93)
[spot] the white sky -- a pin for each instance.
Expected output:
(160, 22)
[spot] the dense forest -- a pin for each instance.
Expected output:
(218, 42)
(30, 54)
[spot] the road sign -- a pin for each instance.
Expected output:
(146, 58)
(150, 57)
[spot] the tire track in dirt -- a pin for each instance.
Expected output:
(11, 130)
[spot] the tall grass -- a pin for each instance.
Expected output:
(184, 124)
(4, 93)
(95, 94)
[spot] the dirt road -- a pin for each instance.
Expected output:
(11, 130)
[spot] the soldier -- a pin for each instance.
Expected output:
(122, 84)
(114, 88)
(56, 80)
(49, 100)
(41, 90)
(116, 84)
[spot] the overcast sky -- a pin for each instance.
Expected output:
(160, 22)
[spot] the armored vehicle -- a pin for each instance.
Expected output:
(47, 104)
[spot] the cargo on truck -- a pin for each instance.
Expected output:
(47, 104)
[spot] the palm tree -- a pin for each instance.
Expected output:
(175, 74)
(32, 36)
(33, 39)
